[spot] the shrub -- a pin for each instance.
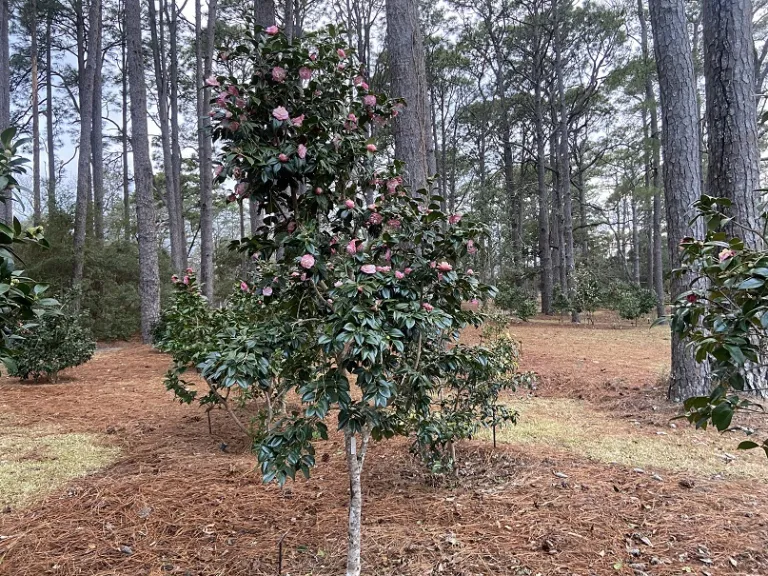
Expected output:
(55, 342)
(635, 302)
(515, 300)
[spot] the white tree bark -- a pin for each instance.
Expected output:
(355, 461)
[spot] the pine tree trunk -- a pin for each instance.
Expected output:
(682, 168)
(635, 241)
(734, 156)
(180, 229)
(204, 67)
(414, 143)
(51, 184)
(124, 137)
(264, 12)
(149, 275)
(88, 73)
(97, 145)
(545, 255)
(36, 196)
(6, 209)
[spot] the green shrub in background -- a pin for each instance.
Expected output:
(55, 342)
(515, 300)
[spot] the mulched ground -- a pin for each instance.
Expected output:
(181, 501)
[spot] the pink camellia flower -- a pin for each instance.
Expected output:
(233, 90)
(186, 280)
(399, 275)
(272, 30)
(341, 53)
(267, 291)
(313, 56)
(234, 126)
(444, 267)
(454, 218)
(231, 198)
(302, 151)
(295, 274)
(212, 81)
(219, 169)
(280, 113)
(221, 99)
(364, 86)
(369, 100)
(243, 286)
(427, 306)
(190, 271)
(338, 284)
(726, 254)
(174, 278)
(375, 219)
(692, 298)
(298, 121)
(368, 269)
(358, 80)
(349, 203)
(383, 268)
(318, 191)
(305, 73)
(408, 271)
(352, 247)
(241, 188)
(388, 255)
(432, 264)
(291, 226)
(278, 74)
(370, 147)
(471, 248)
(470, 272)
(307, 261)
(282, 158)
(394, 223)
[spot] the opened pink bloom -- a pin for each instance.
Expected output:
(341, 53)
(352, 247)
(399, 275)
(383, 268)
(349, 204)
(338, 284)
(726, 254)
(243, 286)
(358, 80)
(444, 267)
(298, 121)
(278, 74)
(282, 158)
(272, 30)
(470, 272)
(302, 151)
(370, 100)
(307, 261)
(305, 73)
(371, 147)
(267, 291)
(427, 306)
(454, 218)
(281, 113)
(471, 248)
(368, 269)
(212, 81)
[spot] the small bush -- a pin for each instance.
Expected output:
(51, 344)
(635, 302)
(515, 300)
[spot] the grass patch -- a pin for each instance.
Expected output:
(37, 460)
(573, 426)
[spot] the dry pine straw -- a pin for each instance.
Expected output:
(180, 502)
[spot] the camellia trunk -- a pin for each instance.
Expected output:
(355, 461)
(149, 275)
(413, 130)
(682, 168)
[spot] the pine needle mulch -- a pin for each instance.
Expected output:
(181, 501)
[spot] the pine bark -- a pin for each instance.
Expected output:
(124, 138)
(682, 168)
(36, 195)
(51, 184)
(97, 142)
(149, 280)
(6, 210)
(88, 73)
(414, 144)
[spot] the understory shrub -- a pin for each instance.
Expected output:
(515, 300)
(54, 342)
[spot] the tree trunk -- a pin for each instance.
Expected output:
(682, 168)
(654, 162)
(51, 184)
(412, 128)
(86, 120)
(355, 461)
(204, 66)
(545, 255)
(37, 201)
(6, 210)
(729, 68)
(264, 12)
(180, 227)
(563, 165)
(124, 137)
(97, 144)
(734, 156)
(635, 241)
(149, 280)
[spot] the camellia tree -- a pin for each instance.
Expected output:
(353, 306)
(725, 317)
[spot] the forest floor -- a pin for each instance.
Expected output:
(104, 474)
